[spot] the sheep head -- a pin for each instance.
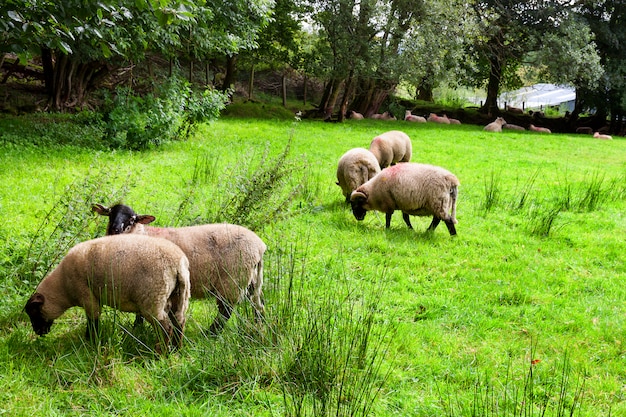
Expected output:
(34, 309)
(122, 219)
(358, 200)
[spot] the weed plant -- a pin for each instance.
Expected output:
(521, 314)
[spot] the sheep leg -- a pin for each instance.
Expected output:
(388, 219)
(451, 228)
(224, 312)
(405, 216)
(138, 321)
(434, 224)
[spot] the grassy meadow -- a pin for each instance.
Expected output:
(523, 313)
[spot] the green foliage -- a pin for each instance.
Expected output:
(172, 112)
(259, 193)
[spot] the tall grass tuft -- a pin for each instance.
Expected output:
(521, 201)
(541, 391)
(70, 221)
(542, 219)
(492, 192)
(321, 347)
(255, 194)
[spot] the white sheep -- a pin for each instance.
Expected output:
(391, 147)
(355, 167)
(225, 260)
(452, 121)
(599, 135)
(356, 115)
(539, 129)
(414, 189)
(413, 118)
(510, 126)
(131, 273)
(496, 125)
(432, 117)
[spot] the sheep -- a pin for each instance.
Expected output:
(496, 125)
(584, 130)
(432, 117)
(225, 260)
(510, 126)
(515, 110)
(415, 189)
(355, 115)
(599, 135)
(131, 273)
(539, 129)
(452, 121)
(413, 118)
(383, 116)
(391, 147)
(355, 167)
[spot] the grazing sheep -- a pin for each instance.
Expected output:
(355, 167)
(496, 125)
(599, 135)
(432, 117)
(131, 273)
(584, 130)
(415, 189)
(539, 129)
(413, 118)
(355, 115)
(391, 147)
(225, 260)
(510, 126)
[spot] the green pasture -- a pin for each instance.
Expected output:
(523, 313)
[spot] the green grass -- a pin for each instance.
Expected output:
(359, 319)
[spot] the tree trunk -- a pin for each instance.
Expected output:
(329, 106)
(251, 83)
(347, 92)
(48, 70)
(493, 88)
(230, 76)
(424, 91)
(284, 82)
(305, 88)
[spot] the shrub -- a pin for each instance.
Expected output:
(170, 113)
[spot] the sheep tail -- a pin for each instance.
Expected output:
(454, 192)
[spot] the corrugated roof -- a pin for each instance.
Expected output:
(538, 95)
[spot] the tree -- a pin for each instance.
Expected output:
(79, 41)
(435, 46)
(607, 21)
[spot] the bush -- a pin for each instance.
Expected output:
(170, 113)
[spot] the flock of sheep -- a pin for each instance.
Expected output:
(381, 178)
(154, 271)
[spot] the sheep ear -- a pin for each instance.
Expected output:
(358, 196)
(145, 219)
(101, 210)
(34, 303)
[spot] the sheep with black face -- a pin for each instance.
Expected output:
(225, 260)
(414, 189)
